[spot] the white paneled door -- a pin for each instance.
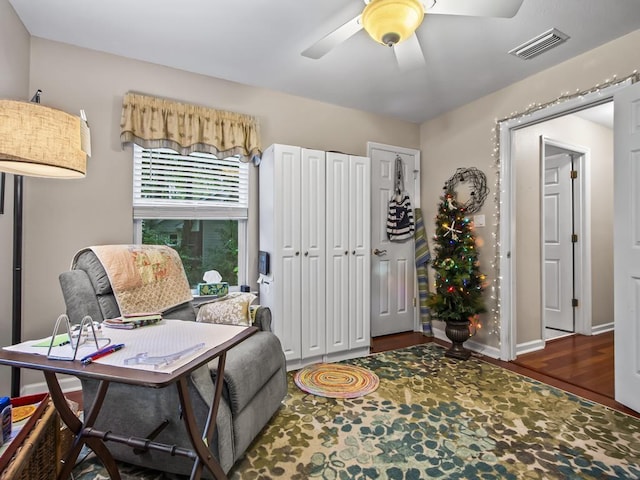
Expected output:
(393, 287)
(338, 253)
(280, 212)
(359, 243)
(312, 252)
(627, 246)
(348, 281)
(558, 247)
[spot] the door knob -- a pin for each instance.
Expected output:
(379, 252)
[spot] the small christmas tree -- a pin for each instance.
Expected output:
(458, 281)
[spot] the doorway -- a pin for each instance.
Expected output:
(539, 278)
(520, 259)
(572, 158)
(626, 260)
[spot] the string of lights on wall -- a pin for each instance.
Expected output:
(494, 287)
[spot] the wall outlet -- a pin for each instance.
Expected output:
(478, 221)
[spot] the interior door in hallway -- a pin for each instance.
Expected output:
(558, 247)
(393, 286)
(626, 241)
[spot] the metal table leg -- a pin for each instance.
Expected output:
(77, 428)
(202, 441)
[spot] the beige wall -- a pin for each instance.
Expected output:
(14, 84)
(14, 55)
(465, 136)
(62, 216)
(526, 160)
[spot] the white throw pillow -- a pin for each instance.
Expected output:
(232, 309)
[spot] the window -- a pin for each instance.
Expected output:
(197, 204)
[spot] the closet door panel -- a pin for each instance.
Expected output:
(359, 204)
(286, 276)
(313, 279)
(338, 253)
(288, 330)
(337, 314)
(288, 173)
(360, 245)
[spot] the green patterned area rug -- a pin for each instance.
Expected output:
(433, 417)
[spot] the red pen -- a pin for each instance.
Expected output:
(101, 353)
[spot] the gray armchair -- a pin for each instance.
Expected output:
(254, 376)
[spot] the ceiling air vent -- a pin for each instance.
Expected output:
(540, 44)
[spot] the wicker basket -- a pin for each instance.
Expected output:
(63, 442)
(36, 458)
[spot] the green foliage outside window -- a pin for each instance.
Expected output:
(202, 245)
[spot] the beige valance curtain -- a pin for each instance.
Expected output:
(153, 122)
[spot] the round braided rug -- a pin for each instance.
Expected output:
(335, 380)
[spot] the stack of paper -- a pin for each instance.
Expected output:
(133, 320)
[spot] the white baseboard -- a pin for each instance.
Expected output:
(474, 346)
(297, 364)
(67, 383)
(347, 355)
(482, 349)
(535, 345)
(528, 347)
(439, 334)
(605, 327)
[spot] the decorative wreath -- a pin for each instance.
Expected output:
(479, 190)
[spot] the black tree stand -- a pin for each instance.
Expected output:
(458, 333)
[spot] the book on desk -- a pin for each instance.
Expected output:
(133, 320)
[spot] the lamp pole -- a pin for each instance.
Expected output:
(16, 311)
(16, 328)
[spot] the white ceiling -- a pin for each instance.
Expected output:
(258, 42)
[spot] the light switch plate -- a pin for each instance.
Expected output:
(478, 221)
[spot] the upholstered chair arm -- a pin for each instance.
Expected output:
(213, 311)
(263, 318)
(79, 296)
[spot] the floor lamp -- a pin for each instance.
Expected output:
(35, 141)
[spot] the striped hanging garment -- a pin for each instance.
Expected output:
(400, 224)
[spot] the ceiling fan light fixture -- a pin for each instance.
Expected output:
(391, 21)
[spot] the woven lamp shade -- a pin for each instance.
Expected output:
(39, 141)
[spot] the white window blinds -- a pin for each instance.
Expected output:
(169, 185)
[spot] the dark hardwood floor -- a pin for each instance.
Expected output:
(586, 361)
(587, 371)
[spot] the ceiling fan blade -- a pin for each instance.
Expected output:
(409, 54)
(335, 38)
(475, 8)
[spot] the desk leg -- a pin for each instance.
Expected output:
(77, 427)
(200, 441)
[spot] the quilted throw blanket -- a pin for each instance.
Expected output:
(144, 278)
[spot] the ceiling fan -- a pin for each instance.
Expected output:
(394, 22)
